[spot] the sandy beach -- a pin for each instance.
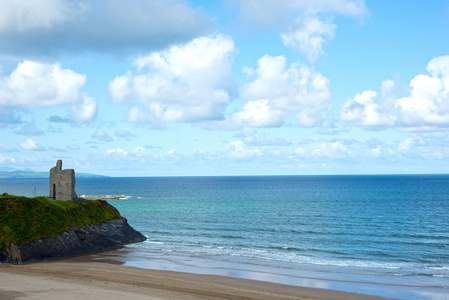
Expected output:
(78, 279)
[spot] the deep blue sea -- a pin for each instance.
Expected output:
(383, 235)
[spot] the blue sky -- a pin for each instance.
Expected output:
(232, 87)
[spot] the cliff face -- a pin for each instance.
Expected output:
(75, 242)
(39, 229)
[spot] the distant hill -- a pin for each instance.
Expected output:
(32, 174)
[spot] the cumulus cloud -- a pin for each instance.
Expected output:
(138, 150)
(305, 25)
(238, 150)
(187, 83)
(425, 108)
(257, 113)
(6, 160)
(406, 145)
(430, 146)
(308, 150)
(428, 102)
(334, 151)
(118, 151)
(31, 145)
(43, 27)
(34, 84)
(365, 112)
(309, 37)
(85, 111)
(279, 91)
(328, 150)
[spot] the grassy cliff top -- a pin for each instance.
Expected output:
(23, 220)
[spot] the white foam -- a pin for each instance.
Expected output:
(439, 268)
(154, 242)
(301, 259)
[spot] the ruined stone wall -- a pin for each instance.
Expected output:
(62, 183)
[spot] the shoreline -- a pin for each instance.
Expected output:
(82, 278)
(388, 287)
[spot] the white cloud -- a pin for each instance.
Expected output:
(425, 108)
(35, 84)
(6, 160)
(256, 114)
(187, 83)
(238, 150)
(431, 146)
(168, 156)
(309, 37)
(428, 102)
(120, 154)
(31, 145)
(118, 151)
(278, 92)
(135, 115)
(84, 112)
(138, 150)
(406, 145)
(121, 87)
(331, 150)
(310, 151)
(44, 27)
(102, 136)
(300, 21)
(365, 112)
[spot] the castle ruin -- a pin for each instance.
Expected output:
(62, 183)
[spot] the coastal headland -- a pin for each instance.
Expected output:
(40, 229)
(49, 229)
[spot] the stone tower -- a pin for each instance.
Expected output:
(62, 183)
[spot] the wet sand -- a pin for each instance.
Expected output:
(84, 279)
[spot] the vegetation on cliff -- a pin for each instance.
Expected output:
(24, 220)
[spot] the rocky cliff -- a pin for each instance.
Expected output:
(47, 229)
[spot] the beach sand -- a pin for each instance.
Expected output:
(84, 279)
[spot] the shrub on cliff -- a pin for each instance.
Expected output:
(24, 220)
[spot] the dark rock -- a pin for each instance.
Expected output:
(78, 241)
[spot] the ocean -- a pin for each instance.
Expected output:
(385, 235)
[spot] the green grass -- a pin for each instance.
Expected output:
(23, 220)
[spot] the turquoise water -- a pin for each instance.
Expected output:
(383, 235)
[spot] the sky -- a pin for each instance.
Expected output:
(226, 87)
